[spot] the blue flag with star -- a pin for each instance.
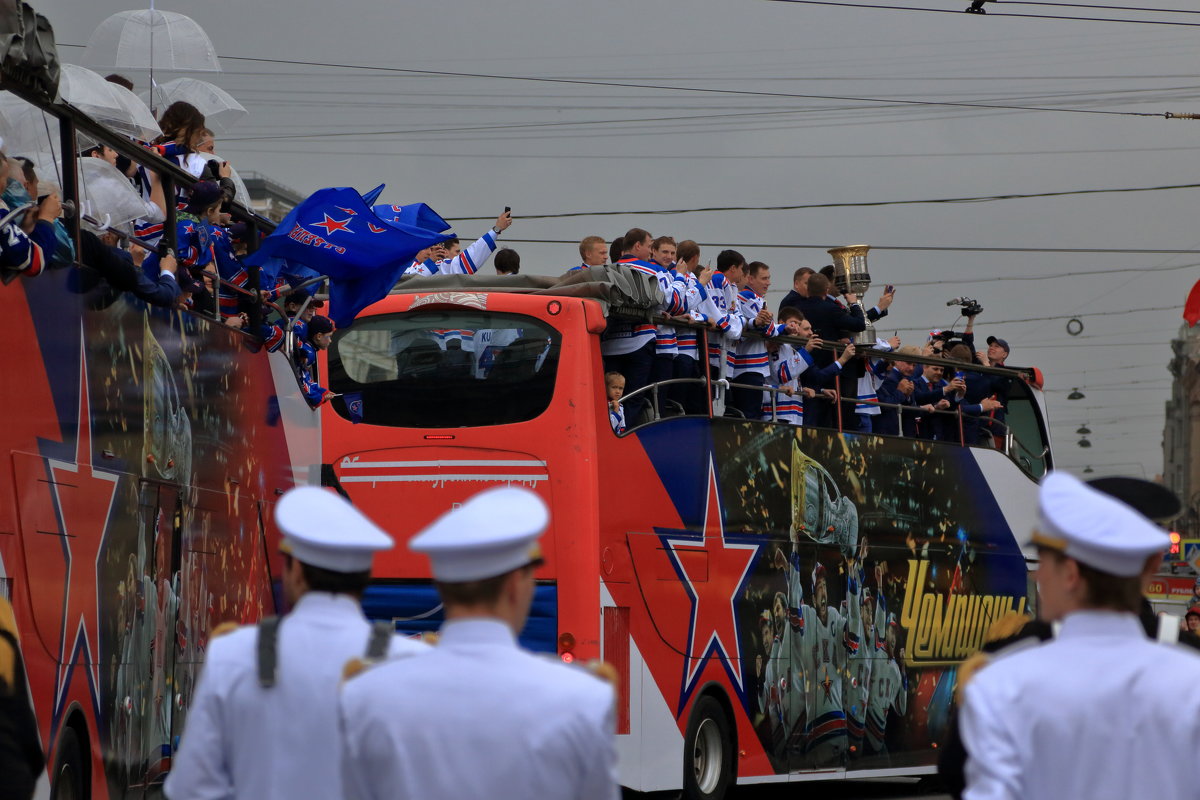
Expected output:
(417, 214)
(335, 233)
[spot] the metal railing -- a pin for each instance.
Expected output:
(716, 389)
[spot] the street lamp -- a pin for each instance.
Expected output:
(1075, 394)
(1084, 430)
(1084, 443)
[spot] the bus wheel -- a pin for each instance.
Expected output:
(708, 753)
(68, 768)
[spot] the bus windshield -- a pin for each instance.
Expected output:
(444, 369)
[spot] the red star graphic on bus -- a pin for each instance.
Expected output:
(713, 630)
(332, 225)
(83, 498)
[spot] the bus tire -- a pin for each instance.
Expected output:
(708, 752)
(67, 779)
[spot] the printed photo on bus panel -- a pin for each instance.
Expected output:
(893, 561)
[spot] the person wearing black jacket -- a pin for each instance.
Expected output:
(21, 757)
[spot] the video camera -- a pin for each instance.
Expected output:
(970, 308)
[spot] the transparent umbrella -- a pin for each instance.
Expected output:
(106, 195)
(136, 121)
(220, 109)
(240, 193)
(24, 127)
(151, 39)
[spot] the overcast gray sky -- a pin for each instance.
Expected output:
(808, 111)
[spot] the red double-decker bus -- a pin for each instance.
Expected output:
(780, 603)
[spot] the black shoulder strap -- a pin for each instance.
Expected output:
(381, 637)
(268, 639)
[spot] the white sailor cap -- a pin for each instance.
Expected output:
(494, 532)
(323, 530)
(1094, 528)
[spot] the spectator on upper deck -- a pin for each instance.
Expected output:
(897, 389)
(614, 387)
(119, 80)
(448, 258)
(662, 252)
(592, 251)
(749, 360)
(318, 337)
(41, 224)
(799, 289)
(508, 261)
(19, 254)
(183, 129)
(687, 362)
(875, 313)
(616, 250)
(629, 347)
(118, 270)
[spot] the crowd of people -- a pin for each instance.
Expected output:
(798, 364)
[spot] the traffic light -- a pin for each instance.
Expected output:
(1174, 551)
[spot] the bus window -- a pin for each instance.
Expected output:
(1032, 447)
(444, 369)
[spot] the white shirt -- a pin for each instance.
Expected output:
(478, 717)
(1101, 712)
(244, 741)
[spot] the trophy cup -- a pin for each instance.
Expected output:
(850, 275)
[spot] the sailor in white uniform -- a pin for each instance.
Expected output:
(263, 723)
(479, 716)
(1101, 712)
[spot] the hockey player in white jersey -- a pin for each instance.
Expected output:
(821, 652)
(449, 259)
(889, 689)
(860, 646)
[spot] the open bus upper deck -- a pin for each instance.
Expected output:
(781, 603)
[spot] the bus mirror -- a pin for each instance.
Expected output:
(596, 323)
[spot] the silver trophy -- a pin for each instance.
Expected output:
(850, 275)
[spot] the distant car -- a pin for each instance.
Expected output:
(819, 509)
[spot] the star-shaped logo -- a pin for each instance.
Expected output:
(83, 499)
(714, 593)
(332, 225)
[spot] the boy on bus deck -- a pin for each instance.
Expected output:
(319, 335)
(614, 387)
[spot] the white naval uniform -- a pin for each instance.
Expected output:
(1100, 713)
(477, 717)
(244, 741)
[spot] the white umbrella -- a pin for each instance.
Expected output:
(151, 39)
(221, 111)
(24, 127)
(107, 103)
(240, 193)
(107, 195)
(137, 122)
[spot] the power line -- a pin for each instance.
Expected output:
(864, 204)
(1095, 7)
(916, 248)
(990, 14)
(674, 88)
(724, 156)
